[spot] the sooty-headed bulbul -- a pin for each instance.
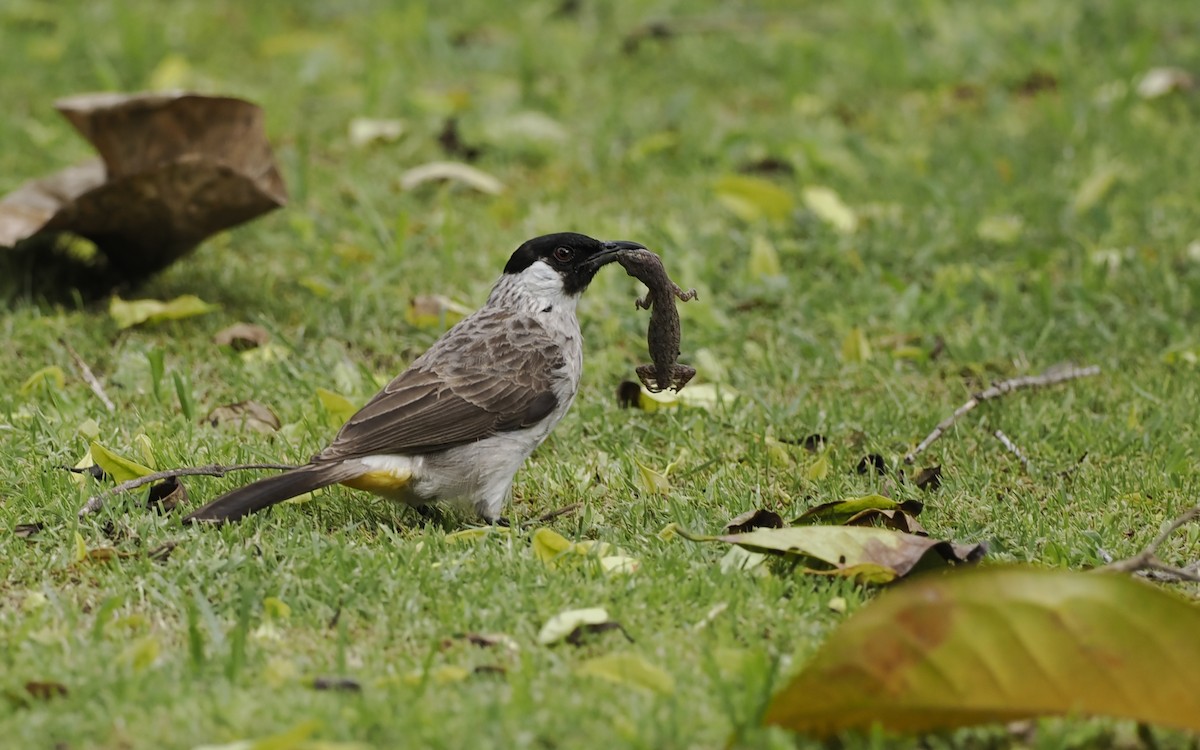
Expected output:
(460, 421)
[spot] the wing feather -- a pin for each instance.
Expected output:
(487, 375)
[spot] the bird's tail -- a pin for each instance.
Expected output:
(237, 504)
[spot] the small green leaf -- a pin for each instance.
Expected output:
(819, 469)
(764, 259)
(1095, 188)
(121, 469)
(336, 405)
(45, 379)
(129, 313)
(840, 511)
(753, 198)
(828, 207)
(630, 670)
(856, 347)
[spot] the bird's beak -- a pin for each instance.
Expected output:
(609, 251)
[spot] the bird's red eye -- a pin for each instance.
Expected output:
(563, 254)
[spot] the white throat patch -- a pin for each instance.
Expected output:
(535, 289)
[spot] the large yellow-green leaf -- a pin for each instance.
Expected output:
(1000, 644)
(841, 511)
(118, 467)
(869, 554)
(129, 313)
(753, 198)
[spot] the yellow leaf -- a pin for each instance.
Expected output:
(695, 395)
(828, 206)
(856, 347)
(276, 609)
(336, 405)
(619, 564)
(564, 623)
(470, 535)
(81, 477)
(819, 468)
(80, 554)
(146, 449)
(764, 260)
(45, 379)
(89, 428)
(172, 72)
(129, 313)
(651, 480)
(140, 654)
(629, 670)
(1095, 188)
(119, 468)
(753, 198)
(292, 739)
(549, 545)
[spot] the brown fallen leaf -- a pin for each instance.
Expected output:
(26, 530)
(893, 519)
(44, 690)
(166, 495)
(338, 684)
(872, 462)
(864, 553)
(929, 478)
(242, 336)
(244, 415)
(176, 169)
(628, 393)
(759, 518)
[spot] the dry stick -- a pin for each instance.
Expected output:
(1053, 376)
(1147, 560)
(89, 377)
(1007, 442)
(96, 502)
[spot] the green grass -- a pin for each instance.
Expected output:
(923, 117)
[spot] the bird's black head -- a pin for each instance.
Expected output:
(576, 257)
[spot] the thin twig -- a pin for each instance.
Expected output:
(1147, 560)
(1053, 376)
(96, 502)
(1007, 442)
(88, 376)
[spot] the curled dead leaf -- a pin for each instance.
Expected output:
(26, 530)
(929, 478)
(758, 518)
(166, 495)
(176, 169)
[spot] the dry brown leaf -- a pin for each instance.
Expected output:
(166, 495)
(176, 169)
(759, 518)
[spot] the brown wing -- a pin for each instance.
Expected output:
(487, 375)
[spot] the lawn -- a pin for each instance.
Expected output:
(1015, 203)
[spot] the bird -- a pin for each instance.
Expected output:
(457, 425)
